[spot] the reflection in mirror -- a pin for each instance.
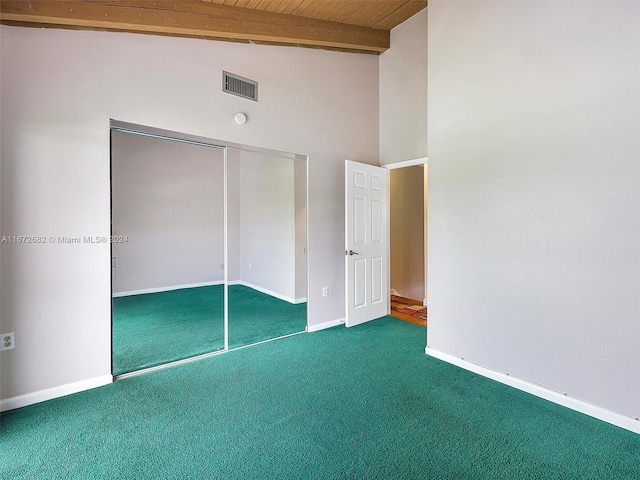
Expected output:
(167, 273)
(266, 249)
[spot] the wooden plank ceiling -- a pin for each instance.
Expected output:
(348, 25)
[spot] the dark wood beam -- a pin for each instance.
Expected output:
(193, 18)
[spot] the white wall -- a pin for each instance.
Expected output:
(234, 225)
(403, 92)
(534, 135)
(267, 235)
(168, 201)
(407, 240)
(403, 122)
(2, 330)
(59, 90)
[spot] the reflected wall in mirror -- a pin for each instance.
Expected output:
(266, 252)
(167, 272)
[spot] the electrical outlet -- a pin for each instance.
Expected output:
(325, 291)
(222, 266)
(8, 341)
(249, 266)
(114, 261)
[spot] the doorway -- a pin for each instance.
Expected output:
(209, 250)
(408, 185)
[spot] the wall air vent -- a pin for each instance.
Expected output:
(240, 86)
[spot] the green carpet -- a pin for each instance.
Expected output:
(156, 328)
(364, 402)
(255, 316)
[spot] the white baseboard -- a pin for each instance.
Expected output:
(268, 292)
(207, 284)
(322, 326)
(601, 413)
(54, 392)
(166, 289)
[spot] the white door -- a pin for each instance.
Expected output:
(366, 242)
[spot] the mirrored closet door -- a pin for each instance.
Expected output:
(266, 238)
(167, 279)
(189, 277)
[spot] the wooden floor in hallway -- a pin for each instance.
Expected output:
(409, 310)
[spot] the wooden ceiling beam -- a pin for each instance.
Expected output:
(189, 18)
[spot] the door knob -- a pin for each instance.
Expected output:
(351, 252)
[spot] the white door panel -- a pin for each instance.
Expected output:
(366, 246)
